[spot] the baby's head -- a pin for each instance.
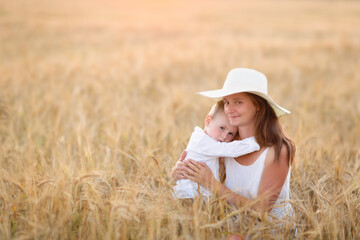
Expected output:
(217, 125)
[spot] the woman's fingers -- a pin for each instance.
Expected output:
(202, 164)
(180, 165)
(178, 170)
(192, 164)
(190, 177)
(182, 170)
(190, 171)
(180, 174)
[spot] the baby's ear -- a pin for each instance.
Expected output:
(207, 120)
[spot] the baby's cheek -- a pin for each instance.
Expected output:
(229, 139)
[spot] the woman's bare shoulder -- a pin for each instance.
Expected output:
(283, 156)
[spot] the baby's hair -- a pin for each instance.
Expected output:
(217, 108)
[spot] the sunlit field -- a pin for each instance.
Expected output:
(97, 102)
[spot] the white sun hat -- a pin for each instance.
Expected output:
(246, 80)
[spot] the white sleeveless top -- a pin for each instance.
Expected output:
(245, 181)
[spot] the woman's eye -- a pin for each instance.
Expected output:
(226, 102)
(239, 102)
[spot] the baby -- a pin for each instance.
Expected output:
(211, 143)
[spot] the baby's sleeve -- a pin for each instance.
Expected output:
(211, 147)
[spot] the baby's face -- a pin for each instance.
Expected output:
(219, 128)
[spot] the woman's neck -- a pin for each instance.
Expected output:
(246, 132)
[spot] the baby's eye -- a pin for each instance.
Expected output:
(231, 134)
(222, 128)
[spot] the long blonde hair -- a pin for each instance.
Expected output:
(268, 130)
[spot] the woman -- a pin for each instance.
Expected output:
(263, 175)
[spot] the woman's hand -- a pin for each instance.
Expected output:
(196, 171)
(179, 171)
(199, 172)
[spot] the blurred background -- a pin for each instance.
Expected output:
(98, 101)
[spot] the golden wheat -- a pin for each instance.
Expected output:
(97, 102)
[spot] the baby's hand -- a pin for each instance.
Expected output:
(183, 156)
(179, 171)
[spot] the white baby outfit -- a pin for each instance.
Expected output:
(203, 148)
(245, 181)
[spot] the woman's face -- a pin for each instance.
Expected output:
(240, 109)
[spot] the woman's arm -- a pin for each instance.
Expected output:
(271, 182)
(199, 172)
(273, 177)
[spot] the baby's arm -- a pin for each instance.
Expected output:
(211, 147)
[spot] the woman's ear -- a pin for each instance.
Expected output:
(207, 120)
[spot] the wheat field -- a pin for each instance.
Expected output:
(97, 102)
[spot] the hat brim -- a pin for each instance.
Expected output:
(226, 92)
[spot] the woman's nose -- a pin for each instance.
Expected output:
(229, 108)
